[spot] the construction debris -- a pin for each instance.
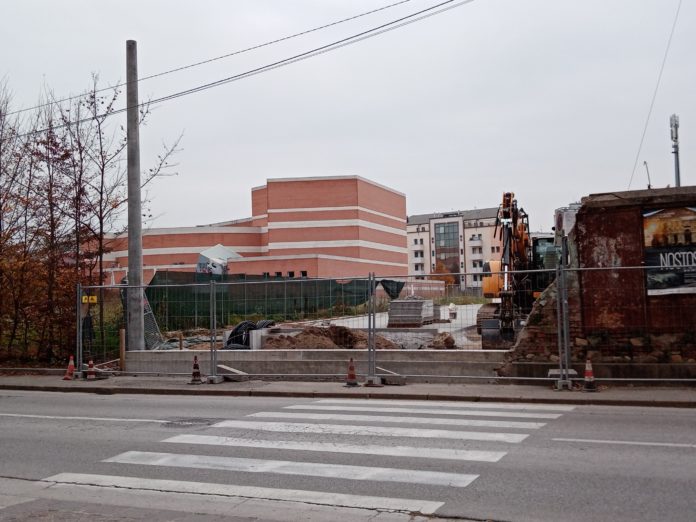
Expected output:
(331, 338)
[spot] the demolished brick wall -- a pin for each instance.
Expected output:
(612, 317)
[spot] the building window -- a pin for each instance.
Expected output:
(461, 265)
(479, 236)
(303, 273)
(279, 274)
(461, 251)
(291, 273)
(432, 254)
(447, 241)
(266, 275)
(415, 241)
(421, 241)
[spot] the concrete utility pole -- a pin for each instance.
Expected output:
(674, 126)
(135, 317)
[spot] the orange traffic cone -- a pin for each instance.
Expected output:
(196, 375)
(589, 385)
(351, 379)
(70, 372)
(90, 371)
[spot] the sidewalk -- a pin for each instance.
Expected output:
(607, 395)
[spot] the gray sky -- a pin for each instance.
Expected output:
(544, 98)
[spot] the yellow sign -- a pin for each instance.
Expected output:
(91, 299)
(84, 299)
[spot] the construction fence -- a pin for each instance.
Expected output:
(620, 316)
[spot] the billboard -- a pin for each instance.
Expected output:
(670, 250)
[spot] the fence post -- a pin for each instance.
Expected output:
(78, 329)
(122, 349)
(213, 377)
(372, 379)
(563, 323)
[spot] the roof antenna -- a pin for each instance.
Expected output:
(648, 172)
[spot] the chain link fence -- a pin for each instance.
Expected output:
(628, 316)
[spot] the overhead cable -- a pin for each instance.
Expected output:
(364, 35)
(221, 57)
(652, 102)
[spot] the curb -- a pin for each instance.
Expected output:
(354, 395)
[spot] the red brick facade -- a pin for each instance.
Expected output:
(314, 227)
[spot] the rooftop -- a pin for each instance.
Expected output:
(477, 213)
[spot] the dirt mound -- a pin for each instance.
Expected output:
(333, 338)
(443, 341)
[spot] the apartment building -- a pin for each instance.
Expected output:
(457, 242)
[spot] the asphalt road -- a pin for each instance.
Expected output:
(98, 458)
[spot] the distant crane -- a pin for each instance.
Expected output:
(648, 172)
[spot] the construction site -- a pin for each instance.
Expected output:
(614, 285)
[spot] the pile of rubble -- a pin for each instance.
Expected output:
(331, 338)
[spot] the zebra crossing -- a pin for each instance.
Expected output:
(441, 432)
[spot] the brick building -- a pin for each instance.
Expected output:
(300, 227)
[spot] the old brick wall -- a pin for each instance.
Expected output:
(612, 317)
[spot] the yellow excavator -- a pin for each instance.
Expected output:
(513, 281)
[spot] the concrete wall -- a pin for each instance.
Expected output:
(317, 362)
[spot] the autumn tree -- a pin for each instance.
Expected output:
(62, 192)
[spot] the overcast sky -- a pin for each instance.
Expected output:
(544, 98)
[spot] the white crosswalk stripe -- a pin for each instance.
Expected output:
(333, 447)
(401, 420)
(230, 490)
(284, 467)
(455, 404)
(426, 411)
(371, 431)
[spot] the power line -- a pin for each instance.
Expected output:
(221, 57)
(364, 35)
(652, 102)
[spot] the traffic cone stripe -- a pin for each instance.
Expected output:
(90, 371)
(589, 384)
(351, 378)
(196, 374)
(70, 372)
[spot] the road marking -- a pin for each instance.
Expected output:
(630, 443)
(479, 413)
(228, 490)
(330, 447)
(286, 467)
(375, 431)
(455, 404)
(409, 420)
(58, 417)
